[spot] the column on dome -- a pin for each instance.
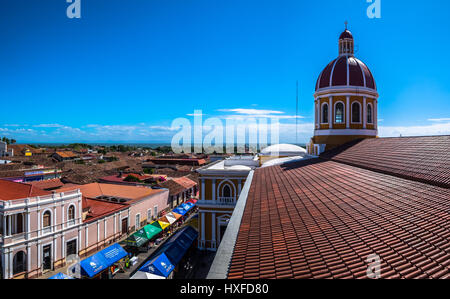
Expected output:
(375, 114)
(347, 113)
(364, 116)
(330, 114)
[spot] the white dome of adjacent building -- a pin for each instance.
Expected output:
(283, 150)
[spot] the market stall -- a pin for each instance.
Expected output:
(98, 264)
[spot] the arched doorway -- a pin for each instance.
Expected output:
(19, 263)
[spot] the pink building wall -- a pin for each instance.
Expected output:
(90, 236)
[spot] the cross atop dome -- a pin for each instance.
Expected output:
(346, 46)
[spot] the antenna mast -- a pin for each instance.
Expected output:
(296, 113)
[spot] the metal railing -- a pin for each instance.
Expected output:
(226, 200)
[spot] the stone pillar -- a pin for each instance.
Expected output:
(239, 188)
(4, 227)
(330, 113)
(214, 190)
(375, 116)
(347, 112)
(28, 258)
(213, 230)
(10, 262)
(364, 113)
(5, 263)
(203, 190)
(202, 242)
(27, 226)
(9, 225)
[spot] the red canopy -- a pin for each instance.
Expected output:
(193, 200)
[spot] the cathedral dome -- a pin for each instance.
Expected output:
(346, 70)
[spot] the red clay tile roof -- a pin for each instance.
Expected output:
(186, 182)
(321, 219)
(99, 208)
(47, 184)
(12, 190)
(66, 154)
(174, 187)
(94, 190)
(425, 159)
(178, 185)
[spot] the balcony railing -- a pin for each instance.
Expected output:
(226, 200)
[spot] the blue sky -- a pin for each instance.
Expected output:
(126, 69)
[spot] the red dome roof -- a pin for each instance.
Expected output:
(346, 70)
(346, 34)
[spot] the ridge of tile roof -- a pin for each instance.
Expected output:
(47, 184)
(422, 158)
(321, 219)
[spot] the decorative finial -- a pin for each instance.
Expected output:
(346, 23)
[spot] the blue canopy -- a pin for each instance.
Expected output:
(180, 211)
(189, 204)
(175, 248)
(160, 265)
(102, 260)
(60, 276)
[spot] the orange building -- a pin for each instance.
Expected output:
(345, 101)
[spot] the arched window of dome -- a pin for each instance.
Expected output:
(356, 112)
(339, 113)
(369, 114)
(324, 113)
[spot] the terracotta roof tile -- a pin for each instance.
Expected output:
(132, 193)
(12, 190)
(47, 184)
(321, 219)
(424, 159)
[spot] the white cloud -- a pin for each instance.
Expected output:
(196, 114)
(439, 119)
(251, 111)
(424, 130)
(48, 126)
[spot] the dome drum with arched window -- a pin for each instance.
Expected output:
(346, 100)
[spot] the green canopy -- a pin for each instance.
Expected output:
(143, 235)
(137, 239)
(151, 231)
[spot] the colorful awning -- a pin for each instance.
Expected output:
(192, 200)
(160, 265)
(168, 218)
(179, 211)
(137, 239)
(100, 261)
(160, 224)
(176, 215)
(175, 248)
(151, 231)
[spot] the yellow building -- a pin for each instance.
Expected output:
(345, 101)
(220, 186)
